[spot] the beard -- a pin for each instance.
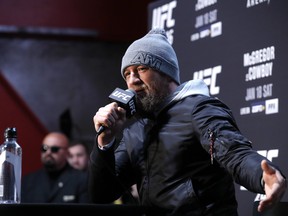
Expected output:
(49, 164)
(151, 101)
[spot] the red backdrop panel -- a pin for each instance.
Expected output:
(15, 113)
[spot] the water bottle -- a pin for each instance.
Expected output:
(10, 168)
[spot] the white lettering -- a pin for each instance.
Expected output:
(201, 4)
(163, 14)
(132, 107)
(209, 76)
(258, 108)
(205, 33)
(195, 36)
(250, 94)
(251, 3)
(119, 94)
(267, 90)
(272, 106)
(244, 110)
(206, 18)
(259, 71)
(259, 56)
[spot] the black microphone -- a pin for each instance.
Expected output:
(125, 99)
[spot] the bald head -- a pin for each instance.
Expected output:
(56, 138)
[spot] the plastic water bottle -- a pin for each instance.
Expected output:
(10, 168)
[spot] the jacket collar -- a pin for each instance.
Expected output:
(191, 87)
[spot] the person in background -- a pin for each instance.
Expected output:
(78, 155)
(56, 181)
(183, 148)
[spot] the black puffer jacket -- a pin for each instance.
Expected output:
(170, 158)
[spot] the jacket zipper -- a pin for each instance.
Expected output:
(211, 146)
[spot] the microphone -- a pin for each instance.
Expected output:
(125, 99)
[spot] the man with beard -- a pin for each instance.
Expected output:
(183, 148)
(56, 181)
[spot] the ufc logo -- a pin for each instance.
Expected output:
(120, 95)
(209, 76)
(163, 15)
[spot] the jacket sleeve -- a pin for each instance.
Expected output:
(106, 182)
(222, 139)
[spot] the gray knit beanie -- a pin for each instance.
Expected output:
(155, 51)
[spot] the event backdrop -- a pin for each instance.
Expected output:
(240, 49)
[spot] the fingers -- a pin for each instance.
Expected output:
(105, 116)
(267, 168)
(263, 205)
(108, 115)
(275, 186)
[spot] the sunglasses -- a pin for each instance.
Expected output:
(53, 149)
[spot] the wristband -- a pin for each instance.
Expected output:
(105, 147)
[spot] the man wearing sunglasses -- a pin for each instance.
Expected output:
(56, 181)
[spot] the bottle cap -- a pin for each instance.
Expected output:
(10, 132)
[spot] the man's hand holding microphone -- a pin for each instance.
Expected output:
(110, 119)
